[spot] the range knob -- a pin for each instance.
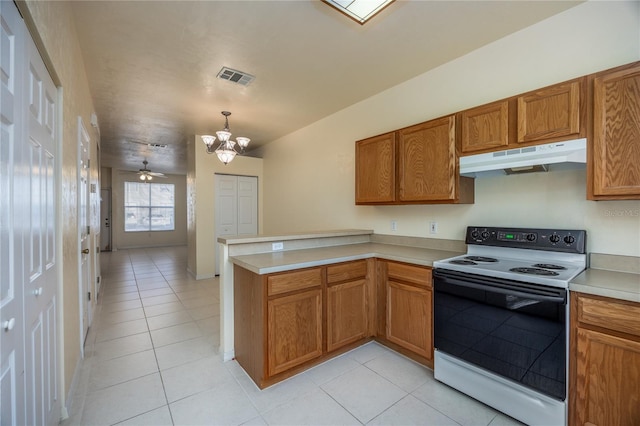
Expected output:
(484, 235)
(569, 239)
(531, 237)
(475, 234)
(554, 238)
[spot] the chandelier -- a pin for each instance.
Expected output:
(226, 148)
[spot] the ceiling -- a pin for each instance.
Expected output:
(152, 65)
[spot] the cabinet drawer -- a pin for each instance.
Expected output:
(346, 271)
(410, 274)
(622, 317)
(292, 281)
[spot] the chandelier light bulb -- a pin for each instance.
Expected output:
(243, 142)
(208, 140)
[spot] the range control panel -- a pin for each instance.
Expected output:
(564, 240)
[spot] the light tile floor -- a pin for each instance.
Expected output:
(151, 358)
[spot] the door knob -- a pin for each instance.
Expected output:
(85, 251)
(8, 325)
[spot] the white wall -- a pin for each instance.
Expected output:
(122, 239)
(309, 174)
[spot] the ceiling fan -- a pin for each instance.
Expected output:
(146, 174)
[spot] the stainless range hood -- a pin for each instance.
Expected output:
(528, 159)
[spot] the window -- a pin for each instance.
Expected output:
(149, 206)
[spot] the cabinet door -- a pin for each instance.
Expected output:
(346, 313)
(428, 165)
(409, 321)
(485, 127)
(552, 112)
(294, 330)
(616, 134)
(376, 169)
(608, 380)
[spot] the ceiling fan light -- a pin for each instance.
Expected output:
(142, 177)
(243, 142)
(208, 140)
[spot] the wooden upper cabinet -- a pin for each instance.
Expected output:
(616, 134)
(427, 161)
(485, 127)
(550, 113)
(417, 164)
(376, 169)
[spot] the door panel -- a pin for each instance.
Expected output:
(83, 225)
(105, 220)
(236, 207)
(12, 187)
(247, 205)
(39, 200)
(226, 205)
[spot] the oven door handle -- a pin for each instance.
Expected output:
(497, 287)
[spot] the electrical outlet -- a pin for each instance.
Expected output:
(433, 227)
(277, 246)
(394, 225)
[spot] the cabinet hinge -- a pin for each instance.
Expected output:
(89, 296)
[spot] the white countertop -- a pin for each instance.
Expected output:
(248, 239)
(266, 263)
(601, 282)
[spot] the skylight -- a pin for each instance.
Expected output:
(359, 10)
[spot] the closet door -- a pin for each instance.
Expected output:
(28, 259)
(247, 205)
(236, 207)
(39, 252)
(12, 40)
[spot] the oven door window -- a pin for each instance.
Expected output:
(515, 335)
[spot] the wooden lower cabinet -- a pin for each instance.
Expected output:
(408, 309)
(289, 321)
(294, 330)
(348, 303)
(409, 317)
(286, 322)
(605, 362)
(346, 313)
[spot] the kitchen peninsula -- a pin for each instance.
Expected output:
(359, 275)
(338, 272)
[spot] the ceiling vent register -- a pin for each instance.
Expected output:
(235, 76)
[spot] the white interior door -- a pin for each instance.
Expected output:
(83, 228)
(247, 205)
(38, 168)
(236, 208)
(105, 220)
(226, 205)
(12, 38)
